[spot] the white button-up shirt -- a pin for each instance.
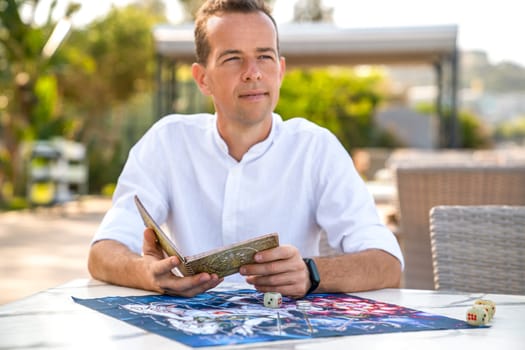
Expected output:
(297, 182)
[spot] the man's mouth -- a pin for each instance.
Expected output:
(253, 95)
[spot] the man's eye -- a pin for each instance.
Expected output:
(231, 59)
(266, 57)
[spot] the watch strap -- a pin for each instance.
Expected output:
(313, 273)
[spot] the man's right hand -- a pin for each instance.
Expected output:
(162, 279)
(111, 261)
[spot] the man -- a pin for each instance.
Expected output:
(219, 179)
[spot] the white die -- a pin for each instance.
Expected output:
(489, 305)
(477, 315)
(273, 299)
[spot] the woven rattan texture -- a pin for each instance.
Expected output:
(421, 188)
(479, 248)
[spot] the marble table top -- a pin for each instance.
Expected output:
(51, 320)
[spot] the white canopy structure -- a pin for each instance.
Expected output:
(321, 44)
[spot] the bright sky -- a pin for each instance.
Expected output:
(494, 26)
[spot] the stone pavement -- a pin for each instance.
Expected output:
(46, 247)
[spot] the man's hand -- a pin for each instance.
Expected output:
(113, 262)
(279, 269)
(161, 278)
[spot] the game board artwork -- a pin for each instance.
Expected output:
(239, 317)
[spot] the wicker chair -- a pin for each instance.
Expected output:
(421, 188)
(479, 248)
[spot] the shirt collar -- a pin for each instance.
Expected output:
(257, 150)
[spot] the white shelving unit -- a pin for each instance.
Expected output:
(57, 172)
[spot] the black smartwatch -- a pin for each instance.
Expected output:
(315, 279)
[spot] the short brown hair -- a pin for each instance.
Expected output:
(216, 7)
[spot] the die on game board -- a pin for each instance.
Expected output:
(489, 305)
(477, 315)
(273, 299)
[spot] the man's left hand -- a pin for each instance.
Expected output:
(279, 269)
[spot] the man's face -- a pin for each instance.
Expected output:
(244, 71)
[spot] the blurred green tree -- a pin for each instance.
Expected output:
(83, 91)
(511, 131)
(28, 91)
(110, 67)
(472, 132)
(340, 100)
(312, 11)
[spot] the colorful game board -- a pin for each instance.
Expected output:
(239, 317)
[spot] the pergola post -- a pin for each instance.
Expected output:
(449, 127)
(159, 87)
(166, 80)
(438, 66)
(172, 92)
(455, 139)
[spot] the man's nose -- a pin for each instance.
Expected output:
(252, 71)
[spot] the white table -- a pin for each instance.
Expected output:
(51, 320)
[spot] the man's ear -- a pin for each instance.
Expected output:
(199, 75)
(282, 68)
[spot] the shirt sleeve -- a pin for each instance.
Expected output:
(144, 175)
(346, 209)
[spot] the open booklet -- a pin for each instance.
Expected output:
(222, 261)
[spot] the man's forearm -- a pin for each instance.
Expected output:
(367, 270)
(112, 262)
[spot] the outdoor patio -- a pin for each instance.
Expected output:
(46, 247)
